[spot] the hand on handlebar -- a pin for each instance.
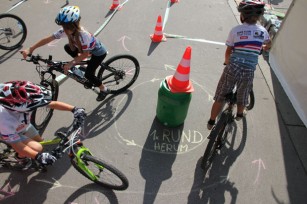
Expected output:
(45, 158)
(79, 115)
(66, 67)
(26, 53)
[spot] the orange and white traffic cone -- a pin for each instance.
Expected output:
(114, 5)
(174, 1)
(158, 34)
(180, 82)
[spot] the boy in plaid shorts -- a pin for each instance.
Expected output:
(244, 44)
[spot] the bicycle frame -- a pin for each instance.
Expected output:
(58, 66)
(69, 146)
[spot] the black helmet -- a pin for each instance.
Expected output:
(249, 8)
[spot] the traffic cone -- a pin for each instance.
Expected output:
(115, 5)
(174, 1)
(180, 82)
(158, 34)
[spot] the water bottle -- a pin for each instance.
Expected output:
(77, 72)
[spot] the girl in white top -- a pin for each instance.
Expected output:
(81, 45)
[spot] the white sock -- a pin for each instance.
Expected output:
(105, 89)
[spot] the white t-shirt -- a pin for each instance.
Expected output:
(247, 38)
(87, 40)
(247, 41)
(12, 123)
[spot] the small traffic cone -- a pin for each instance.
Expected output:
(174, 1)
(115, 5)
(158, 34)
(180, 82)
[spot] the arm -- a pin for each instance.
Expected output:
(60, 106)
(267, 45)
(227, 54)
(76, 60)
(40, 43)
(79, 113)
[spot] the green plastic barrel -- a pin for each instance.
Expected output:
(172, 108)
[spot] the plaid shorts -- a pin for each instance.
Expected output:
(238, 75)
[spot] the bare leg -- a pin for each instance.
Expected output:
(28, 148)
(216, 109)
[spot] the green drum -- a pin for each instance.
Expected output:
(172, 108)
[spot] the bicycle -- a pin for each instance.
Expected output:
(81, 158)
(219, 133)
(13, 31)
(121, 72)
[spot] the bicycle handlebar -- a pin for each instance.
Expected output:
(37, 58)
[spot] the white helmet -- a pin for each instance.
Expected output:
(68, 14)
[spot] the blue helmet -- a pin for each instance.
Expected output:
(68, 14)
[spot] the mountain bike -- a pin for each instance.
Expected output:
(219, 133)
(118, 73)
(81, 158)
(13, 31)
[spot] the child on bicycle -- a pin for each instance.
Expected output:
(17, 100)
(244, 44)
(81, 45)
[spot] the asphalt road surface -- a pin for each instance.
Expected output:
(259, 164)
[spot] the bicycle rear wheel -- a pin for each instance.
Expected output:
(101, 172)
(126, 71)
(214, 143)
(41, 116)
(7, 157)
(13, 31)
(251, 101)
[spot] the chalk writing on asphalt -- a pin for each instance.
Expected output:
(175, 140)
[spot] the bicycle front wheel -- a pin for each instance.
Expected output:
(119, 72)
(13, 31)
(101, 172)
(215, 139)
(41, 116)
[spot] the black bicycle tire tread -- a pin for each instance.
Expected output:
(114, 170)
(251, 104)
(213, 136)
(134, 60)
(25, 32)
(55, 86)
(206, 155)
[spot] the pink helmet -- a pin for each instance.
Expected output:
(23, 96)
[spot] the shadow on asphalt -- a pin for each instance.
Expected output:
(155, 166)
(294, 167)
(103, 116)
(211, 187)
(94, 193)
(7, 54)
(152, 47)
(31, 186)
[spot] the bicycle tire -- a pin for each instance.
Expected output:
(212, 145)
(7, 158)
(251, 103)
(12, 39)
(128, 71)
(108, 180)
(41, 116)
(4, 150)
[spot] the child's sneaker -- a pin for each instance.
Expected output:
(210, 124)
(24, 163)
(102, 95)
(240, 116)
